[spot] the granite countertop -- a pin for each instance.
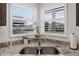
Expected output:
(63, 48)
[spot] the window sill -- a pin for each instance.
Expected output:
(20, 35)
(56, 34)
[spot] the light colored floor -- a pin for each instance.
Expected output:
(64, 49)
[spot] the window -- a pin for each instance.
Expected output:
(23, 21)
(54, 20)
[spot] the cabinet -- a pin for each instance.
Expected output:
(2, 14)
(77, 14)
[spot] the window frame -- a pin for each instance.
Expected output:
(65, 34)
(11, 23)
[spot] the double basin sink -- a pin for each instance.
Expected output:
(39, 50)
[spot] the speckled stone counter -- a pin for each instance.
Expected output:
(63, 48)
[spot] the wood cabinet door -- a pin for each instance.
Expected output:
(77, 14)
(2, 14)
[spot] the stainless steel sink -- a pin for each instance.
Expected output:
(39, 51)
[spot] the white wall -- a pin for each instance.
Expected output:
(72, 28)
(5, 30)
